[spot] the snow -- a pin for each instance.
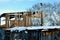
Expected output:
(12, 19)
(42, 27)
(21, 18)
(2, 20)
(33, 28)
(17, 28)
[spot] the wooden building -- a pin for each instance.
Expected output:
(29, 24)
(22, 19)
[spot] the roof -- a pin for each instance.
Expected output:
(4, 14)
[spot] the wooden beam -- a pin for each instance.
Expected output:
(7, 20)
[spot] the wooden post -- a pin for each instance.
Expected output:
(30, 21)
(27, 20)
(41, 19)
(16, 22)
(0, 21)
(24, 20)
(7, 20)
(19, 19)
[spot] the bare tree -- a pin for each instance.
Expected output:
(48, 9)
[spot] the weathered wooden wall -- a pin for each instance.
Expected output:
(36, 35)
(27, 21)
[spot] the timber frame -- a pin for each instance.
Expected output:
(21, 19)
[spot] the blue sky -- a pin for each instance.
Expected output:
(20, 5)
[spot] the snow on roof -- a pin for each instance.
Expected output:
(17, 28)
(33, 28)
